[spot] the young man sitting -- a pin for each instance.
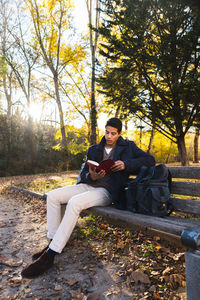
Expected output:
(94, 189)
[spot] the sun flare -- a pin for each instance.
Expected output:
(35, 110)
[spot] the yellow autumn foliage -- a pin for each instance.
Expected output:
(77, 140)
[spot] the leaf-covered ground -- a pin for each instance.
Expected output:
(139, 266)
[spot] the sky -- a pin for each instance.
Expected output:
(80, 15)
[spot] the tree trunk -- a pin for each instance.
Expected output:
(151, 140)
(117, 112)
(126, 125)
(62, 124)
(93, 7)
(196, 150)
(8, 118)
(182, 150)
(169, 152)
(30, 145)
(93, 112)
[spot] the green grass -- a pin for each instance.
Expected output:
(46, 185)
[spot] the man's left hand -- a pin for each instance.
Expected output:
(118, 166)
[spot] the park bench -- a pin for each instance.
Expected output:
(182, 226)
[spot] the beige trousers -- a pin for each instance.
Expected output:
(78, 197)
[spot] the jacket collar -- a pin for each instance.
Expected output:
(120, 142)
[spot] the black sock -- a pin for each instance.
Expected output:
(51, 252)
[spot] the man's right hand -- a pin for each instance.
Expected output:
(96, 175)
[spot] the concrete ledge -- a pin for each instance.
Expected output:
(192, 260)
(31, 193)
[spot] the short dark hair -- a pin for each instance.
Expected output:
(116, 123)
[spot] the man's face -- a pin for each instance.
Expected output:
(111, 136)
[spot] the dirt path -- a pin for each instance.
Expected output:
(86, 270)
(75, 274)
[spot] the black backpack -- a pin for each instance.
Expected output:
(149, 192)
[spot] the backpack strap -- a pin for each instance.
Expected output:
(149, 174)
(169, 180)
(140, 176)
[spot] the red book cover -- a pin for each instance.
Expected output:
(103, 165)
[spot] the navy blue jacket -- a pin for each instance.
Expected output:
(133, 158)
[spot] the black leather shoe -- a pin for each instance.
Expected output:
(38, 254)
(41, 265)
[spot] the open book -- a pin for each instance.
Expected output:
(103, 165)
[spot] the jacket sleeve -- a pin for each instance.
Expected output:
(138, 158)
(85, 175)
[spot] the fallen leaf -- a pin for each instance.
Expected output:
(155, 273)
(166, 271)
(152, 288)
(93, 296)
(158, 247)
(178, 256)
(156, 238)
(120, 245)
(58, 288)
(30, 229)
(156, 295)
(12, 263)
(6, 272)
(71, 281)
(77, 294)
(175, 280)
(2, 258)
(15, 281)
(104, 226)
(183, 283)
(139, 276)
(2, 224)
